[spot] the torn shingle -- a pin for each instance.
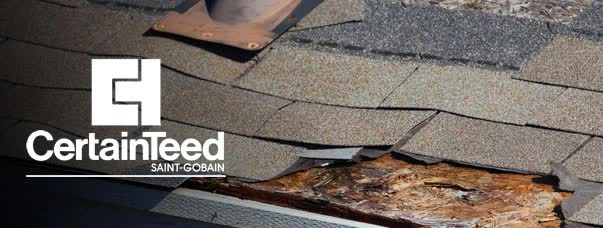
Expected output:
(586, 163)
(337, 79)
(329, 125)
(332, 12)
(77, 29)
(491, 144)
(335, 153)
(244, 157)
(14, 142)
(574, 110)
(185, 57)
(478, 37)
(483, 94)
(206, 104)
(567, 61)
(591, 212)
(30, 64)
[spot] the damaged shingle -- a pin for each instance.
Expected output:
(478, 37)
(567, 61)
(34, 65)
(244, 157)
(328, 125)
(337, 79)
(214, 106)
(591, 212)
(491, 144)
(134, 40)
(77, 29)
(332, 12)
(574, 110)
(483, 94)
(590, 22)
(586, 163)
(69, 3)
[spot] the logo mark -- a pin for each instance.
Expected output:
(119, 91)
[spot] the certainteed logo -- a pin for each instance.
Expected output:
(127, 92)
(120, 79)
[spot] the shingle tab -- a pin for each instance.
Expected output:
(320, 124)
(587, 163)
(483, 94)
(492, 144)
(591, 212)
(134, 40)
(332, 12)
(567, 61)
(574, 110)
(62, 27)
(328, 78)
(40, 66)
(244, 157)
(426, 30)
(214, 106)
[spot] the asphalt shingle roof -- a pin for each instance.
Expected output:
(591, 213)
(428, 31)
(214, 106)
(484, 94)
(23, 62)
(567, 61)
(60, 27)
(332, 12)
(586, 163)
(574, 110)
(492, 144)
(327, 78)
(319, 124)
(347, 81)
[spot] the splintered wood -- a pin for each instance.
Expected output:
(392, 192)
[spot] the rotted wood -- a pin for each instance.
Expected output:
(392, 192)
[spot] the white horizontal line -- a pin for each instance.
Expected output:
(122, 176)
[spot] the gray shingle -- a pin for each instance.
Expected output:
(472, 92)
(574, 110)
(567, 61)
(492, 144)
(335, 153)
(332, 12)
(185, 57)
(320, 124)
(14, 142)
(214, 106)
(591, 213)
(62, 27)
(338, 79)
(586, 163)
(478, 37)
(67, 110)
(40, 66)
(244, 157)
(590, 21)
